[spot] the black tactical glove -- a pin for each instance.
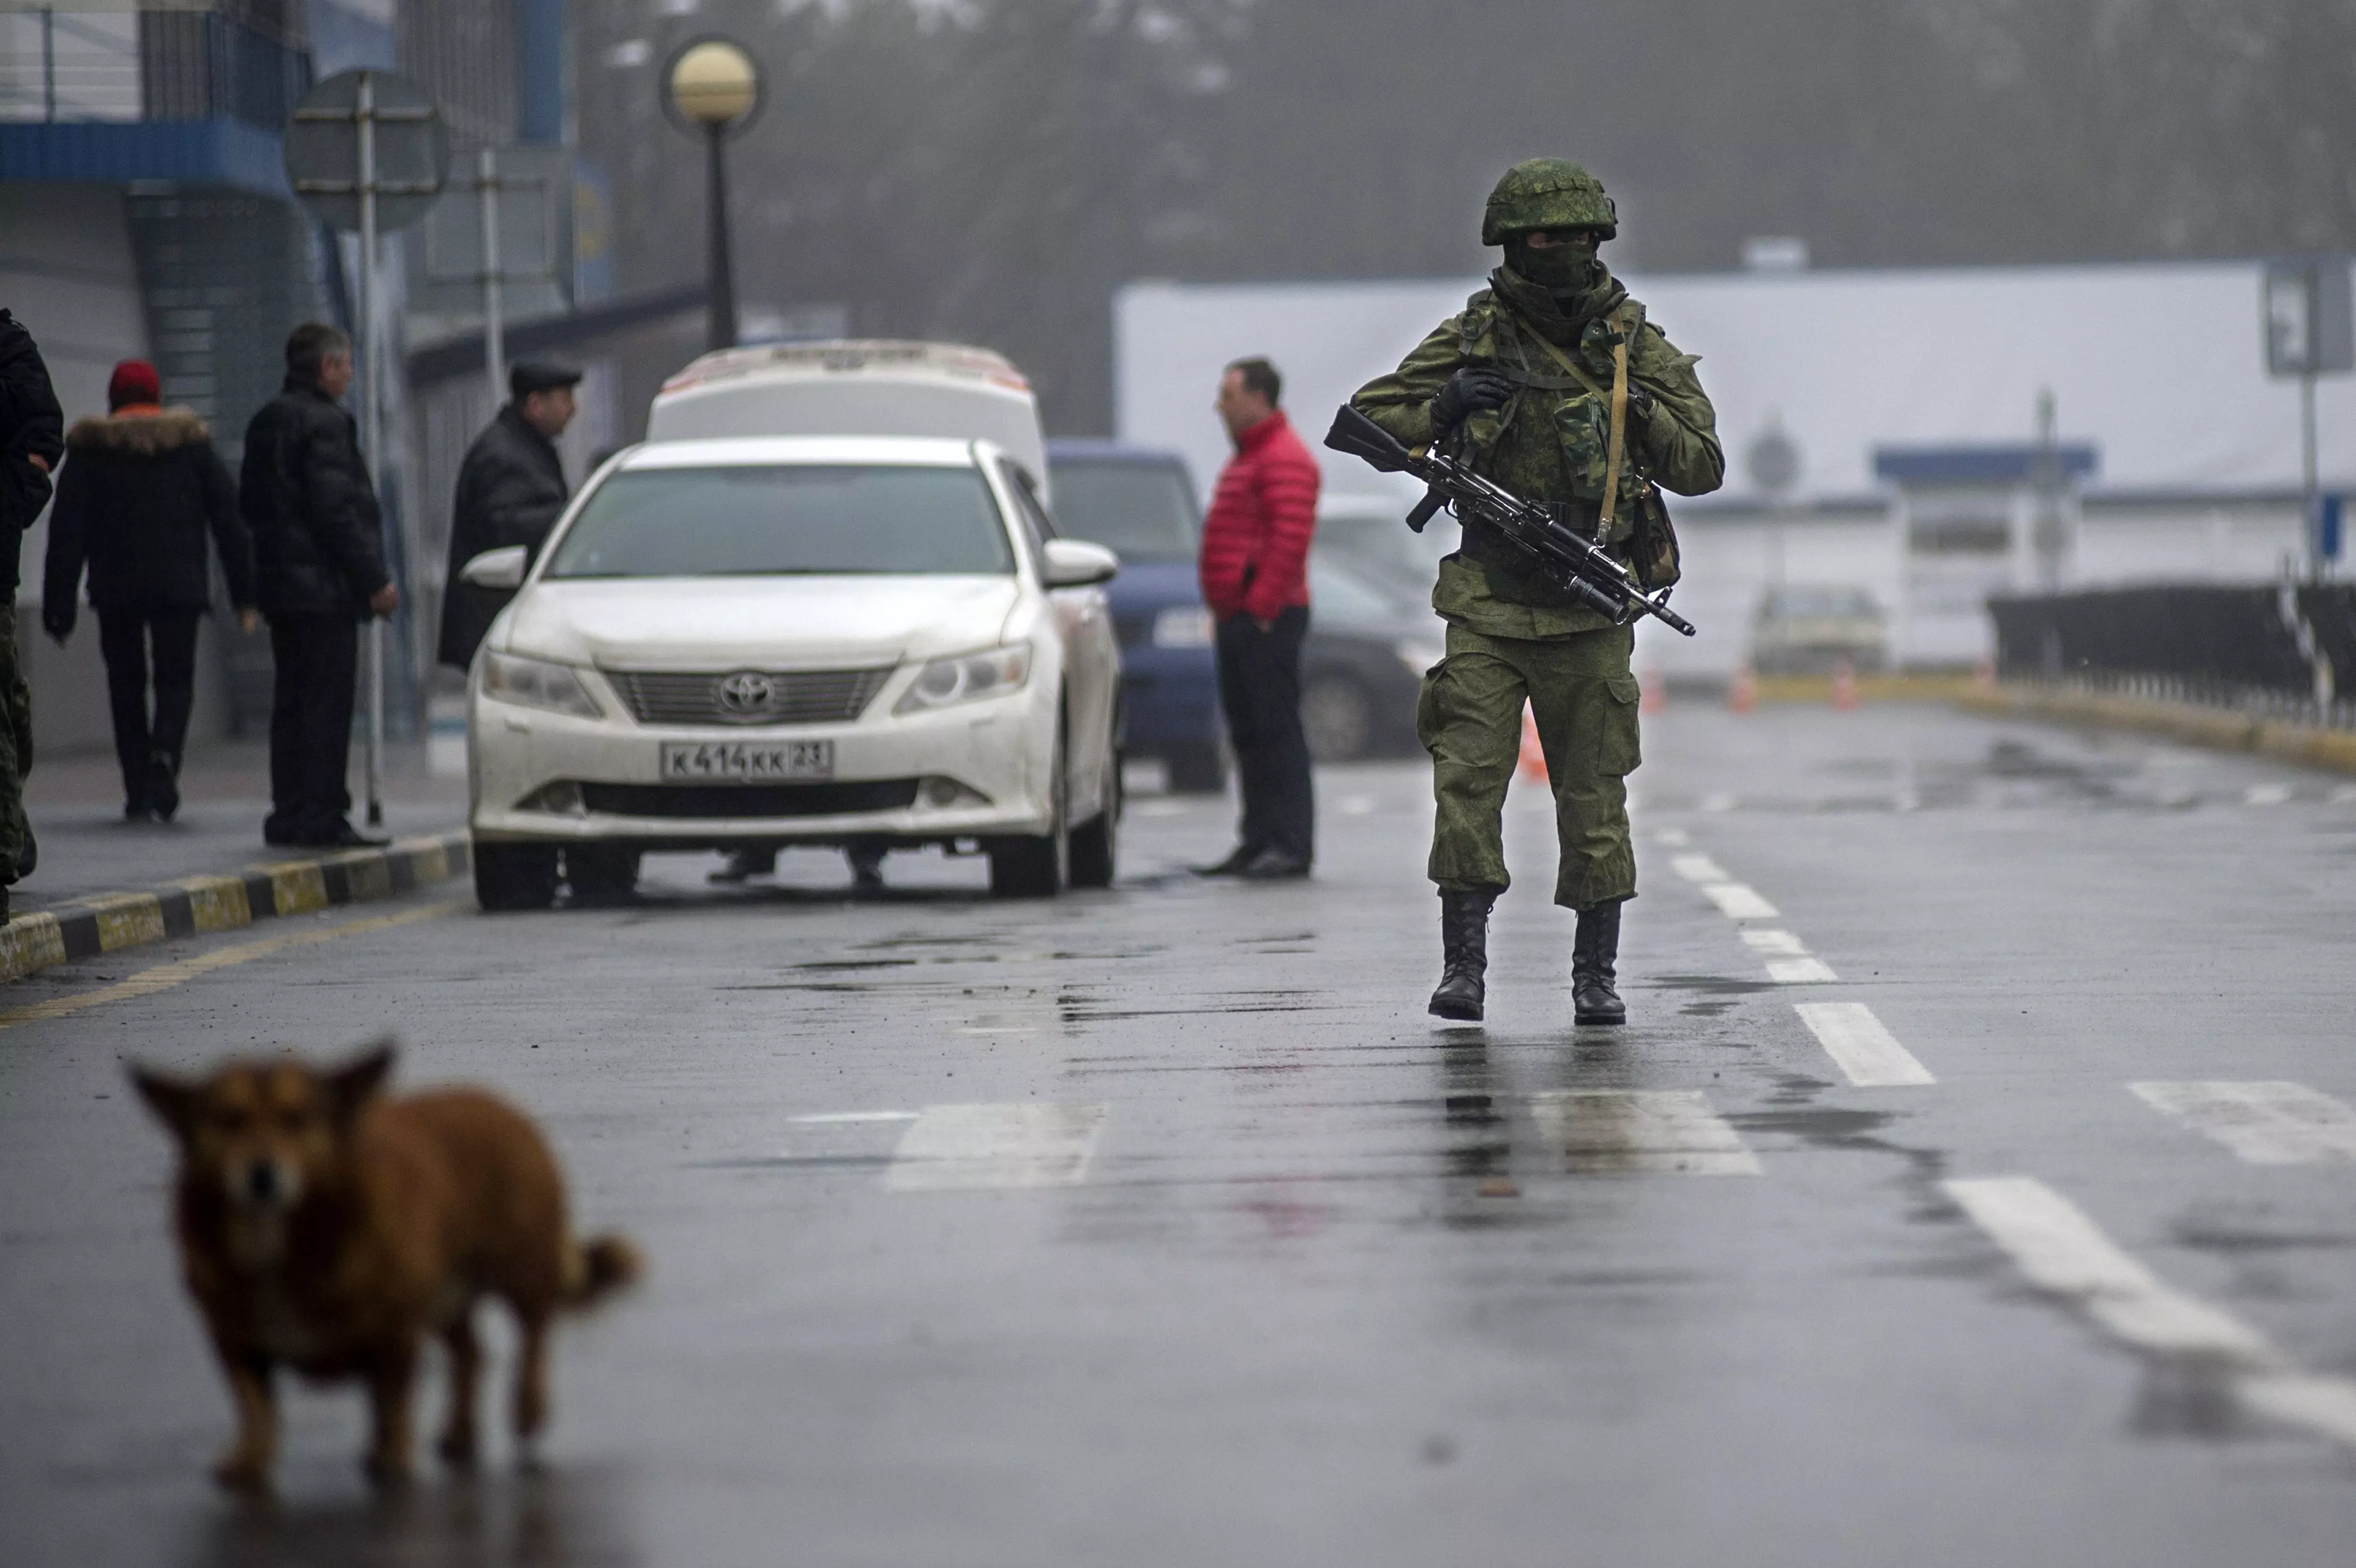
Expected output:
(1640, 401)
(1468, 390)
(59, 626)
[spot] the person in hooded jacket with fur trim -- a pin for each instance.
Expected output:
(141, 490)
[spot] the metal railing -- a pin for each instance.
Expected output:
(59, 67)
(2282, 651)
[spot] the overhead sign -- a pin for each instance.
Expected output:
(367, 131)
(2310, 328)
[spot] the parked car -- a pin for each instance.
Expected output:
(1810, 629)
(1370, 640)
(764, 639)
(1371, 533)
(1141, 503)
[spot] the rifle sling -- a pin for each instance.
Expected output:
(1618, 398)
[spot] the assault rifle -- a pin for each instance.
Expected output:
(1590, 576)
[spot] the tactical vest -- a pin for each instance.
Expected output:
(1570, 406)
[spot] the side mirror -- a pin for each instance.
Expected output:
(1075, 563)
(500, 568)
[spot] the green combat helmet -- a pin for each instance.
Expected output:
(1546, 193)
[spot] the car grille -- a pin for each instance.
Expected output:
(748, 696)
(750, 799)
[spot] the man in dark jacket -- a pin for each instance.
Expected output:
(510, 490)
(32, 440)
(319, 572)
(142, 489)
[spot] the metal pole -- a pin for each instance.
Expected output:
(2308, 485)
(49, 62)
(371, 426)
(722, 329)
(495, 350)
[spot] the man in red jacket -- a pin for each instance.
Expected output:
(1255, 574)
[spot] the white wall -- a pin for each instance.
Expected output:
(1849, 361)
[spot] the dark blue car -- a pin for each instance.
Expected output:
(1141, 504)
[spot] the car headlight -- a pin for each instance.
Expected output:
(968, 678)
(538, 683)
(1184, 626)
(1419, 655)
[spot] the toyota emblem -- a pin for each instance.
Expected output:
(746, 691)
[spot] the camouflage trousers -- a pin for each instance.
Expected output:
(1470, 719)
(15, 749)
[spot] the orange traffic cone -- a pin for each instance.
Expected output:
(1534, 767)
(1843, 685)
(1742, 692)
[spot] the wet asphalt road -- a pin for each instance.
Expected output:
(1237, 1258)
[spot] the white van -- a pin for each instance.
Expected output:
(856, 387)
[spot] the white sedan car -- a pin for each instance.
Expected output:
(806, 641)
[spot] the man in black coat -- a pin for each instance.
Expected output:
(510, 491)
(140, 490)
(32, 440)
(319, 572)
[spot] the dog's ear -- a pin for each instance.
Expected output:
(351, 1086)
(173, 1100)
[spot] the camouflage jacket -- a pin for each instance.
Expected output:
(1549, 442)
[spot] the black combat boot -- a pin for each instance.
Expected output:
(1594, 952)
(1464, 953)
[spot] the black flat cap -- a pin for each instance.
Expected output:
(528, 376)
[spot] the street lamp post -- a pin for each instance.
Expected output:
(713, 87)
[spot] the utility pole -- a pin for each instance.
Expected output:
(495, 344)
(372, 425)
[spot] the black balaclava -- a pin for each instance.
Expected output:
(1561, 270)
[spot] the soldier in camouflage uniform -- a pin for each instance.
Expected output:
(1522, 384)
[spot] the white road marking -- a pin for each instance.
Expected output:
(1718, 802)
(1861, 1045)
(1739, 901)
(2267, 1123)
(1157, 808)
(2340, 794)
(1800, 971)
(1638, 1131)
(1699, 868)
(1358, 806)
(952, 1147)
(2067, 1255)
(2265, 794)
(1677, 838)
(838, 1117)
(1774, 944)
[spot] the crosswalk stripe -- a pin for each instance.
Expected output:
(1800, 971)
(2065, 1254)
(955, 1147)
(1739, 901)
(1639, 1131)
(1772, 943)
(1861, 1045)
(2267, 1123)
(1698, 868)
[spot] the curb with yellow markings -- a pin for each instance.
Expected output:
(197, 904)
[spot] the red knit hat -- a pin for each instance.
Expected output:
(134, 382)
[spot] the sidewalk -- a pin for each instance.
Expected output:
(76, 804)
(104, 884)
(2191, 723)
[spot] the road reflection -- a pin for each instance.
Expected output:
(547, 1516)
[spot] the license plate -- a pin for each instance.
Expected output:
(737, 761)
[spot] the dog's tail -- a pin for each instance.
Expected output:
(598, 1267)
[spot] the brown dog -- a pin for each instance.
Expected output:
(329, 1228)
